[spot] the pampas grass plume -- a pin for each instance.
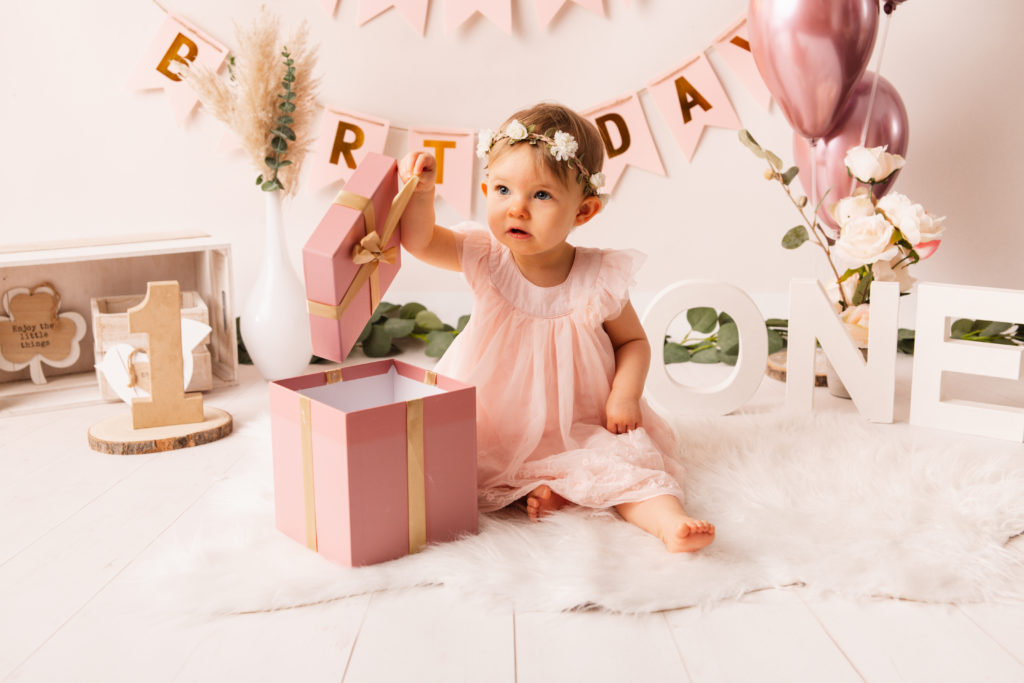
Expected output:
(247, 100)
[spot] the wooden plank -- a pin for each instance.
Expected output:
(424, 635)
(765, 636)
(1003, 623)
(596, 647)
(894, 640)
(47, 583)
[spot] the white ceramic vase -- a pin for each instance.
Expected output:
(274, 324)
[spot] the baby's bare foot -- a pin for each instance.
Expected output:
(688, 535)
(543, 500)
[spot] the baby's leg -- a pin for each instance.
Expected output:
(664, 517)
(543, 500)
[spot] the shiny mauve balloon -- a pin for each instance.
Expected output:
(888, 127)
(810, 54)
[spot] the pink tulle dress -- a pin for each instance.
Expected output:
(543, 365)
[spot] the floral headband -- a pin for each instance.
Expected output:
(563, 147)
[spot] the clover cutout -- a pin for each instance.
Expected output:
(33, 332)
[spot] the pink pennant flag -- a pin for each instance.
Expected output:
(330, 6)
(344, 139)
(547, 9)
(498, 11)
(734, 47)
(627, 138)
(453, 149)
(692, 98)
(414, 11)
(176, 45)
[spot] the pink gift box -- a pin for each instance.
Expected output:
(373, 461)
(340, 291)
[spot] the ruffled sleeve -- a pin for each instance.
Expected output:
(474, 247)
(614, 278)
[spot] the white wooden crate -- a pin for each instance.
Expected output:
(86, 269)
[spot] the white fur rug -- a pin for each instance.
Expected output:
(825, 500)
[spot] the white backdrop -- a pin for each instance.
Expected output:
(86, 156)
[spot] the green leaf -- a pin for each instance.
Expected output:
(995, 328)
(788, 176)
(860, 295)
(285, 132)
(728, 357)
(259, 181)
(271, 185)
(979, 325)
(438, 342)
(904, 333)
(378, 344)
(410, 310)
(724, 318)
(794, 237)
(675, 353)
(702, 319)
(428, 320)
(773, 159)
(365, 334)
(286, 120)
(286, 106)
(399, 327)
(777, 322)
(463, 321)
(729, 337)
(747, 139)
(706, 356)
(289, 77)
(279, 144)
(775, 342)
(961, 328)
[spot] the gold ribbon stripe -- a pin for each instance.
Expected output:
(416, 476)
(367, 271)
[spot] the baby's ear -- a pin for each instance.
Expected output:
(589, 207)
(483, 188)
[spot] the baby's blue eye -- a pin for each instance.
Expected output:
(501, 189)
(542, 194)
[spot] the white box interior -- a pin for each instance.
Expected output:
(371, 392)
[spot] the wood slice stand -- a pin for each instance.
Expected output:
(777, 367)
(115, 435)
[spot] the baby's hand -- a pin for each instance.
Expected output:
(420, 164)
(623, 414)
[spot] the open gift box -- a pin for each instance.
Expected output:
(373, 461)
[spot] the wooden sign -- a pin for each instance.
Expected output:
(34, 332)
(159, 316)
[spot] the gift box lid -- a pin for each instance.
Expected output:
(346, 268)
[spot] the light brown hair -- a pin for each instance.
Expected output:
(546, 118)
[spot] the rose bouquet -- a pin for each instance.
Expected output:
(878, 239)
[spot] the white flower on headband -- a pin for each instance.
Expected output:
(516, 131)
(565, 146)
(486, 139)
(597, 181)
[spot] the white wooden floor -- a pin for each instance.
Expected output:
(75, 525)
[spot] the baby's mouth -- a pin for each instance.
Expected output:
(518, 232)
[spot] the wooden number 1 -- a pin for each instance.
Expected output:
(159, 316)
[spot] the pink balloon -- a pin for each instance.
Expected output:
(888, 127)
(811, 53)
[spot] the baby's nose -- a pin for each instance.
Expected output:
(517, 208)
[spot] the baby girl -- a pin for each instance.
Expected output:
(554, 347)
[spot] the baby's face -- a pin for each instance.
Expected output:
(530, 209)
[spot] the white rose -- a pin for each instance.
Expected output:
(885, 271)
(485, 140)
(865, 240)
(849, 208)
(565, 146)
(872, 165)
(516, 130)
(597, 181)
(917, 225)
(855, 320)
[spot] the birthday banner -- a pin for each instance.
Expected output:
(689, 98)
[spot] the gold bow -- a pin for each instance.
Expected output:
(370, 249)
(367, 266)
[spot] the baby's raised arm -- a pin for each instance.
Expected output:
(423, 239)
